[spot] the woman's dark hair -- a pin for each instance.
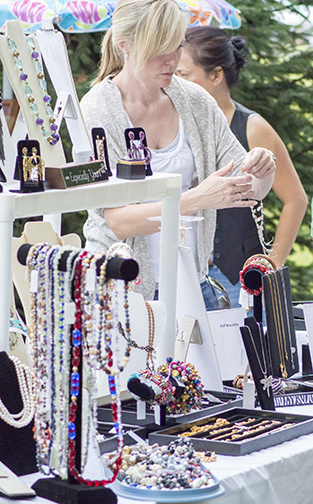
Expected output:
(211, 47)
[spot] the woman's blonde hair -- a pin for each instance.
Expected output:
(150, 27)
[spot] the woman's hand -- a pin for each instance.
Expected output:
(259, 162)
(218, 191)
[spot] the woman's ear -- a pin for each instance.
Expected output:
(123, 47)
(217, 75)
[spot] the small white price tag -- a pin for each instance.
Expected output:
(157, 414)
(34, 281)
(244, 299)
(69, 312)
(141, 410)
(91, 280)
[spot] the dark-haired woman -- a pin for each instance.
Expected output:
(213, 60)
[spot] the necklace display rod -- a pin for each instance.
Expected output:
(251, 275)
(117, 268)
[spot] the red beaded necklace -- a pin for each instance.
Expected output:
(75, 388)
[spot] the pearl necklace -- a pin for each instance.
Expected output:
(24, 378)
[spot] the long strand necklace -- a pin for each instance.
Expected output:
(267, 380)
(292, 348)
(53, 137)
(151, 333)
(258, 217)
(282, 364)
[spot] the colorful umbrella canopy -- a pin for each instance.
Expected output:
(83, 16)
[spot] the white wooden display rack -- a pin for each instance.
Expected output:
(113, 193)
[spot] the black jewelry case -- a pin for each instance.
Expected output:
(203, 442)
(130, 170)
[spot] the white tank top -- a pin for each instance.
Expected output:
(175, 158)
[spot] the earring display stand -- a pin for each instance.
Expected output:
(280, 323)
(52, 154)
(255, 345)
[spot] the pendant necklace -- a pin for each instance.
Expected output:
(267, 380)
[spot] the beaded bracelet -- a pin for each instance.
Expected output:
(192, 394)
(259, 262)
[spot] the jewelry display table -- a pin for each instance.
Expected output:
(278, 475)
(113, 193)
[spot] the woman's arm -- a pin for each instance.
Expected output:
(287, 186)
(216, 191)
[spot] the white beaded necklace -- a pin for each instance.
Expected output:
(24, 417)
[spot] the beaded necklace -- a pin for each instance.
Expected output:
(151, 332)
(258, 217)
(107, 326)
(52, 137)
(75, 386)
(43, 370)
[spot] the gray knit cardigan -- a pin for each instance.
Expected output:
(212, 143)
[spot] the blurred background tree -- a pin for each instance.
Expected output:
(277, 83)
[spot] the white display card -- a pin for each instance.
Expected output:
(190, 303)
(229, 347)
(141, 410)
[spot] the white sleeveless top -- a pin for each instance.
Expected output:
(175, 158)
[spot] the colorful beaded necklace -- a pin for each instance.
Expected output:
(52, 137)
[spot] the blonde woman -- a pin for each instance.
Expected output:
(186, 131)
(213, 60)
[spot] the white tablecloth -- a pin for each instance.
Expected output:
(282, 474)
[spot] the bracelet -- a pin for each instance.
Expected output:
(259, 262)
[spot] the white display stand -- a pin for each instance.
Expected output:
(52, 154)
(115, 192)
(54, 52)
(190, 303)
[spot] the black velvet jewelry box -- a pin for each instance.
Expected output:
(203, 441)
(131, 169)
